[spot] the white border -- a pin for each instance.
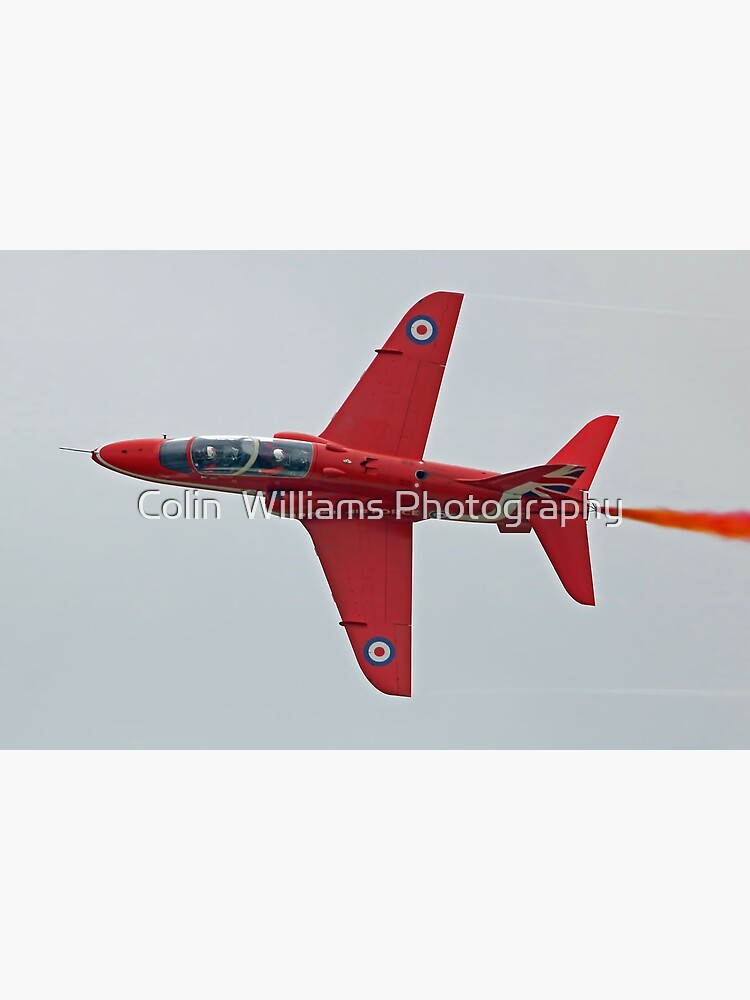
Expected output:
(160, 125)
(466, 874)
(374, 874)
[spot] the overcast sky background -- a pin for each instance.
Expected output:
(122, 632)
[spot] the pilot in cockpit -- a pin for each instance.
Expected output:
(270, 459)
(206, 458)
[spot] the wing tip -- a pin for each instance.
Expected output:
(398, 687)
(444, 294)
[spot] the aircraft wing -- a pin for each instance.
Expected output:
(368, 565)
(389, 411)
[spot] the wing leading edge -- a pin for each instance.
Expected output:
(368, 565)
(389, 411)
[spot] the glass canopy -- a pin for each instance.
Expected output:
(238, 456)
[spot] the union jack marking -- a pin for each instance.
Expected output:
(556, 483)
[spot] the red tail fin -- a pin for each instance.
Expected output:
(566, 541)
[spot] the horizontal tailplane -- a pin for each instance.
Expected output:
(587, 448)
(567, 546)
(564, 537)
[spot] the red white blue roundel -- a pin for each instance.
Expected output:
(379, 652)
(421, 329)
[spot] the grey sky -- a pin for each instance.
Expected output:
(119, 632)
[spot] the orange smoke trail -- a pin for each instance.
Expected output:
(733, 524)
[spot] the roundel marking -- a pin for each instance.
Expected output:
(379, 652)
(421, 329)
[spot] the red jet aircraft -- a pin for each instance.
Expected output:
(361, 485)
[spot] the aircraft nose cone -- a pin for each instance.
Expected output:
(110, 454)
(122, 454)
(138, 457)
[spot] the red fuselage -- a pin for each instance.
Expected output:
(329, 473)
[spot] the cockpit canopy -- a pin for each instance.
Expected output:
(237, 456)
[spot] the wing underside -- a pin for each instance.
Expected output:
(368, 565)
(390, 409)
